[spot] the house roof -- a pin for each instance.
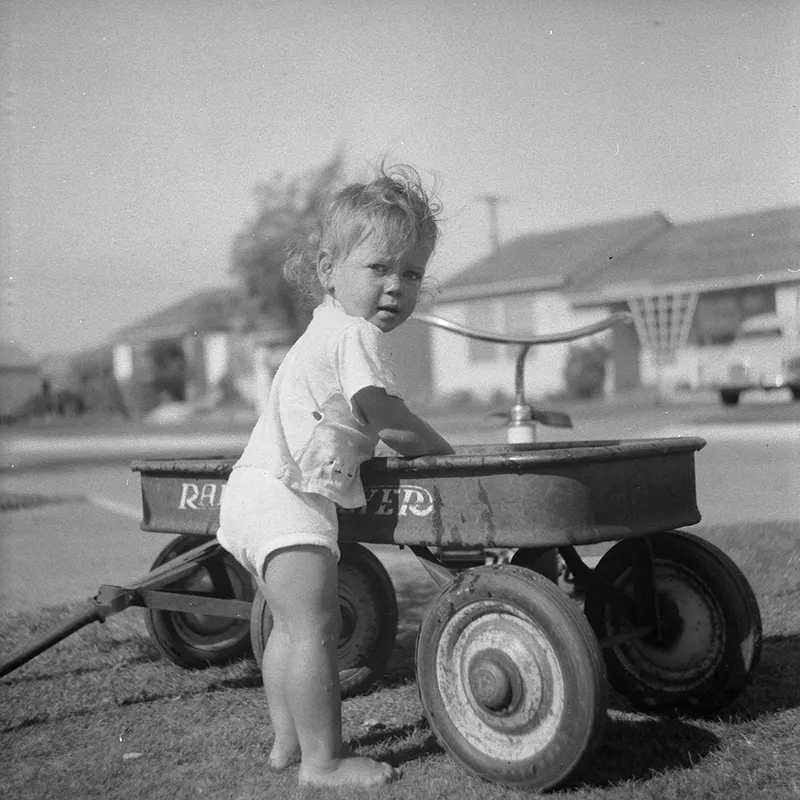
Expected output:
(555, 259)
(607, 262)
(715, 253)
(207, 311)
(13, 357)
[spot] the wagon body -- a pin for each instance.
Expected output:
(489, 496)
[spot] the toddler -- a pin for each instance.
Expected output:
(332, 399)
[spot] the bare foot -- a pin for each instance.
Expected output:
(350, 771)
(283, 756)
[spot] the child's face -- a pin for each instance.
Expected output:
(376, 284)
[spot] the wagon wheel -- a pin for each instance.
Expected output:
(368, 605)
(709, 621)
(200, 640)
(511, 677)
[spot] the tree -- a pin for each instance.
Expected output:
(288, 210)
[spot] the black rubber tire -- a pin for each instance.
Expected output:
(196, 641)
(511, 678)
(729, 397)
(711, 621)
(368, 604)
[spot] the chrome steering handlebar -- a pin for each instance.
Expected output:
(525, 342)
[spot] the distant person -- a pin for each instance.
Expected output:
(332, 399)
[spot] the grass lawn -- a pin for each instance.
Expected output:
(103, 715)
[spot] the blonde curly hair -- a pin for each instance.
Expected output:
(395, 208)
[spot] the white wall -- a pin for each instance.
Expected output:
(787, 307)
(216, 355)
(122, 355)
(694, 367)
(454, 371)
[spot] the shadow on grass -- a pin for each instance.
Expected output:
(631, 750)
(775, 687)
(410, 742)
(634, 750)
(142, 651)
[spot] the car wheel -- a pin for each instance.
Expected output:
(729, 397)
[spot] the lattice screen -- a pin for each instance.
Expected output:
(663, 322)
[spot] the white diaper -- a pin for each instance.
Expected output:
(259, 515)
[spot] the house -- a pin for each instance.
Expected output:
(200, 350)
(523, 287)
(209, 346)
(688, 286)
(20, 378)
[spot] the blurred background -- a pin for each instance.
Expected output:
(591, 157)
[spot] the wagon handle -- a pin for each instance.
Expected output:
(110, 600)
(88, 612)
(526, 341)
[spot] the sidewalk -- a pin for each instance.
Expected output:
(29, 448)
(60, 553)
(21, 452)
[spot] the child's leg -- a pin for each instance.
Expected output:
(301, 589)
(274, 668)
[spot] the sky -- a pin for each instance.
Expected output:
(135, 131)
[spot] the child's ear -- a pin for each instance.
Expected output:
(325, 271)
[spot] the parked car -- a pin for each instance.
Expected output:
(761, 356)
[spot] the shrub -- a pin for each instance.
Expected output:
(585, 370)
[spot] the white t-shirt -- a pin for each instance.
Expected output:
(311, 436)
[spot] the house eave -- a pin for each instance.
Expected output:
(500, 288)
(622, 291)
(160, 334)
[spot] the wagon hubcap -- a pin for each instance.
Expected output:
(499, 679)
(670, 624)
(495, 681)
(692, 634)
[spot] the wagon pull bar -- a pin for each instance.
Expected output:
(89, 612)
(109, 600)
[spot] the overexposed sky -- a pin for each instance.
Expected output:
(134, 131)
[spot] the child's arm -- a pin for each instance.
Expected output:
(397, 426)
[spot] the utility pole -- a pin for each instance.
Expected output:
(492, 201)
